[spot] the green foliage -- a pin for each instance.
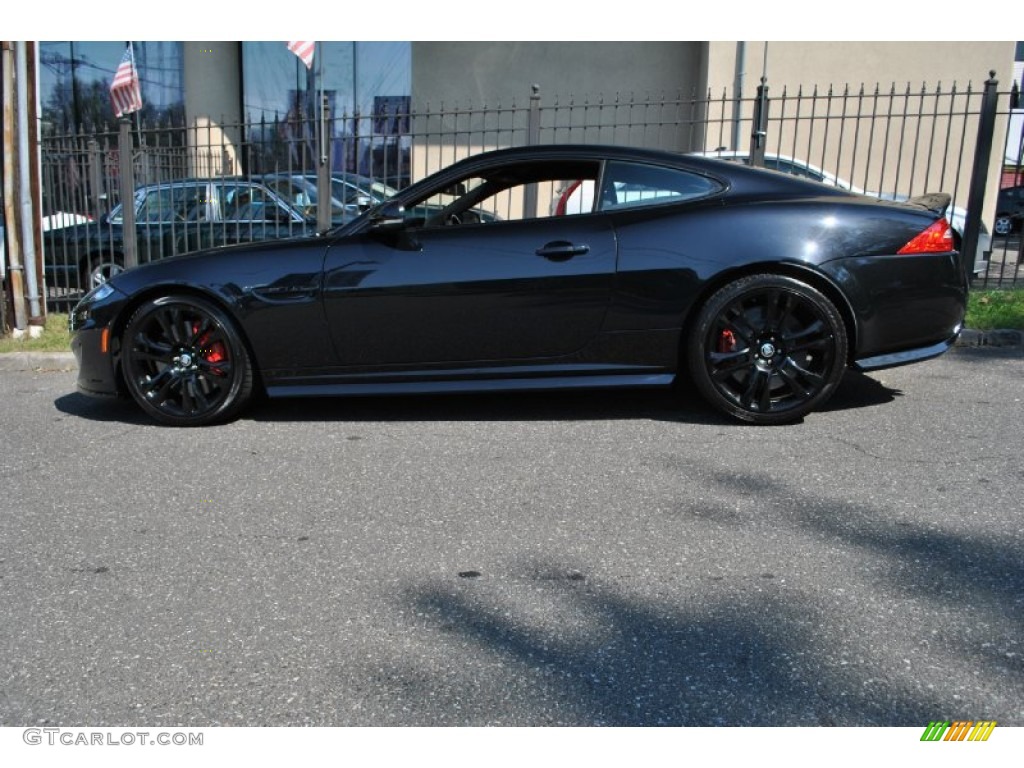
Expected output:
(55, 338)
(991, 310)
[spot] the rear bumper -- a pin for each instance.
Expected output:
(893, 359)
(906, 308)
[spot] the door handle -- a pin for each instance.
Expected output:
(562, 250)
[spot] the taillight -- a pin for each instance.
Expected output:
(938, 238)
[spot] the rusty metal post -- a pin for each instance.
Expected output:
(323, 174)
(14, 263)
(127, 181)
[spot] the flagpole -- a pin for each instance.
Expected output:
(135, 70)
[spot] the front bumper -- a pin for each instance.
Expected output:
(93, 342)
(96, 373)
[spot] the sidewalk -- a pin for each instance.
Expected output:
(65, 361)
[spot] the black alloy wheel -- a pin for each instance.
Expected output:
(184, 362)
(767, 349)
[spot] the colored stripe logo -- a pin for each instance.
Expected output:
(958, 730)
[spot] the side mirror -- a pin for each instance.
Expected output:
(389, 216)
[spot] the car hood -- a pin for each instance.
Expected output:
(194, 267)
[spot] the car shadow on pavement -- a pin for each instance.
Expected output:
(679, 404)
(101, 409)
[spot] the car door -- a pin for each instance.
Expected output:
(457, 286)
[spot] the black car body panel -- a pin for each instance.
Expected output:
(599, 299)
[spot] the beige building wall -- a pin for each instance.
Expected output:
(213, 108)
(792, 64)
(583, 88)
(858, 141)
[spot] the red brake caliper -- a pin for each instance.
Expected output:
(727, 341)
(214, 353)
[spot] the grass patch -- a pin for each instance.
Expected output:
(55, 338)
(990, 310)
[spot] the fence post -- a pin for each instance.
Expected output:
(127, 181)
(96, 196)
(979, 175)
(323, 176)
(532, 138)
(758, 136)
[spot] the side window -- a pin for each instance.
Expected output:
(529, 190)
(168, 204)
(250, 203)
(628, 185)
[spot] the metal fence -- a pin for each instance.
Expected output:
(892, 142)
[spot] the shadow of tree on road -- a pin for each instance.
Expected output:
(759, 655)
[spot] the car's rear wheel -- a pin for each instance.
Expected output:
(185, 363)
(767, 349)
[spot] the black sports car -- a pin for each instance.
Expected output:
(760, 286)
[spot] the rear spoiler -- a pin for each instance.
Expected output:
(936, 202)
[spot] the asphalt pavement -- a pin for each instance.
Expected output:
(624, 558)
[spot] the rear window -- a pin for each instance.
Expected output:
(628, 185)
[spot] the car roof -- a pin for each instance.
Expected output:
(739, 178)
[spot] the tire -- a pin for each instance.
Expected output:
(100, 268)
(184, 362)
(767, 349)
(1003, 225)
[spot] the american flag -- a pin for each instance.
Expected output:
(304, 50)
(124, 91)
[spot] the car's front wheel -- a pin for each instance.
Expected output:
(1003, 225)
(767, 349)
(185, 363)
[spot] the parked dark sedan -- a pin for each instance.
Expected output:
(170, 218)
(763, 288)
(1009, 210)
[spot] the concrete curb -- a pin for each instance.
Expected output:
(65, 361)
(999, 338)
(37, 361)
